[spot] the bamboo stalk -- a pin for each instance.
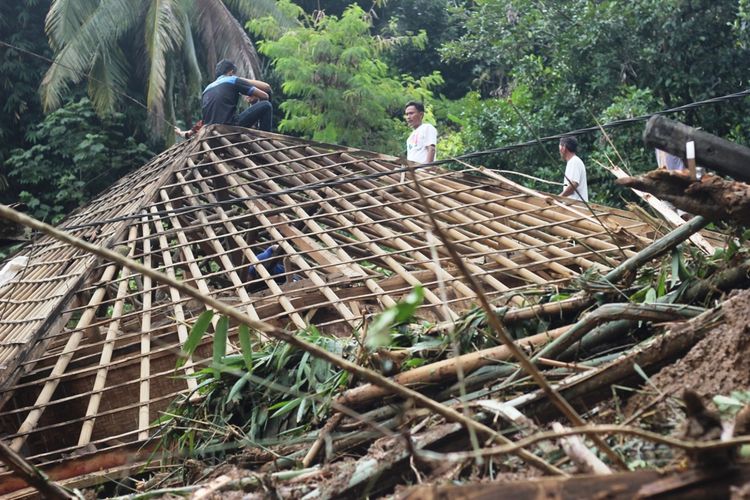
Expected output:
(144, 393)
(33, 476)
(442, 371)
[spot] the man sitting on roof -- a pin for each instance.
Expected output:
(219, 99)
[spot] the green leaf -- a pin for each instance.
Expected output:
(720, 400)
(377, 333)
(286, 407)
(195, 336)
(234, 392)
(247, 347)
(414, 363)
(661, 289)
(220, 342)
(676, 257)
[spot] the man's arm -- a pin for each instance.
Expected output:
(258, 84)
(430, 153)
(569, 189)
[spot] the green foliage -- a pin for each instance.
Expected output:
(162, 51)
(378, 333)
(22, 25)
(337, 87)
(266, 389)
(563, 63)
(74, 156)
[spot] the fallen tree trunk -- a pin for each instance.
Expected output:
(647, 355)
(626, 485)
(444, 370)
(712, 197)
(711, 151)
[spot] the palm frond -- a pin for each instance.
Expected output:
(109, 76)
(71, 64)
(163, 34)
(220, 29)
(249, 9)
(190, 58)
(65, 18)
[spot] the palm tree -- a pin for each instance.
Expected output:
(157, 47)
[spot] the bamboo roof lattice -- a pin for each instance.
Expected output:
(88, 348)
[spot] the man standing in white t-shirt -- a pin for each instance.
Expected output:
(420, 147)
(574, 183)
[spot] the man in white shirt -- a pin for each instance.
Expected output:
(574, 183)
(420, 147)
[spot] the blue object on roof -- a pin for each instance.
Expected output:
(276, 268)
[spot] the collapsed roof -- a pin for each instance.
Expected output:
(88, 348)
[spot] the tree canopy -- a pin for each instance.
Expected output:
(491, 72)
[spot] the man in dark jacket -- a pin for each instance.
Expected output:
(219, 100)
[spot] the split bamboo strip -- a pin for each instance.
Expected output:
(448, 201)
(262, 271)
(32, 419)
(221, 252)
(106, 355)
(144, 393)
(295, 258)
(387, 301)
(376, 249)
(182, 333)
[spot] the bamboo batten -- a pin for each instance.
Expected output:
(88, 348)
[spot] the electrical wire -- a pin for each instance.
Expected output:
(326, 184)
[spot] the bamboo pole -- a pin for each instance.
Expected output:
(144, 393)
(44, 397)
(445, 370)
(100, 379)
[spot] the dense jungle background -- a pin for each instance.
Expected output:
(492, 73)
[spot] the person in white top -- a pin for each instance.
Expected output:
(574, 183)
(420, 146)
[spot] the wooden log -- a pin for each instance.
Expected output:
(725, 157)
(712, 197)
(442, 371)
(626, 485)
(664, 209)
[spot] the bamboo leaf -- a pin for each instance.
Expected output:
(377, 333)
(195, 336)
(675, 268)
(247, 347)
(220, 342)
(236, 390)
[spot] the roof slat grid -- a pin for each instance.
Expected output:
(291, 232)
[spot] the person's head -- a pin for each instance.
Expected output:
(414, 113)
(224, 67)
(568, 146)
